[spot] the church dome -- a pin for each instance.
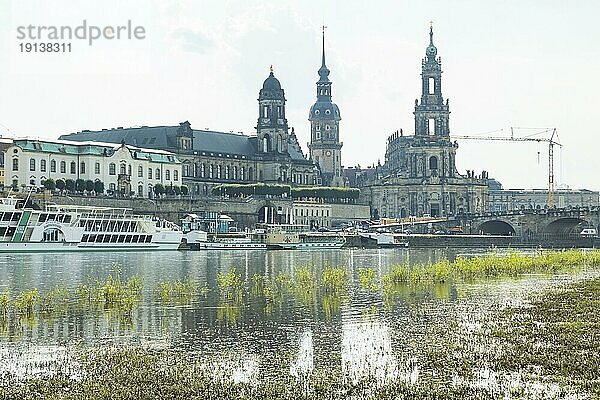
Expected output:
(271, 83)
(325, 110)
(271, 89)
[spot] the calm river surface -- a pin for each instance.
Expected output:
(361, 333)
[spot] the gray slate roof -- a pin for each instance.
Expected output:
(164, 138)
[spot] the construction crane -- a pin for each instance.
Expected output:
(552, 141)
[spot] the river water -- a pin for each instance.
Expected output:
(363, 333)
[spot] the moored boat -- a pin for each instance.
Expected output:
(82, 228)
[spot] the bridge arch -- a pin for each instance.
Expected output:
(566, 226)
(496, 227)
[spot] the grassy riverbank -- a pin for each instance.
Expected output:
(547, 348)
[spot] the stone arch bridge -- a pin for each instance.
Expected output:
(561, 222)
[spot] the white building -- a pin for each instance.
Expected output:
(122, 168)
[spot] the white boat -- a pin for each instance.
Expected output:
(82, 228)
(385, 239)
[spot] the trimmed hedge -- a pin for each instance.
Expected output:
(237, 190)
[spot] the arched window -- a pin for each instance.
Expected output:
(235, 172)
(112, 169)
(211, 171)
(52, 166)
(168, 175)
(140, 190)
(129, 169)
(203, 170)
(97, 168)
(32, 164)
(250, 174)
(433, 162)
(73, 167)
(265, 145)
(149, 173)
(63, 167)
(279, 144)
(175, 175)
(123, 169)
(227, 172)
(186, 170)
(140, 172)
(43, 165)
(219, 172)
(157, 174)
(82, 168)
(242, 173)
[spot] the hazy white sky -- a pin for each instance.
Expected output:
(506, 63)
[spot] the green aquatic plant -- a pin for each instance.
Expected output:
(4, 303)
(258, 285)
(26, 300)
(368, 279)
(178, 291)
(112, 293)
(230, 284)
(334, 279)
(54, 300)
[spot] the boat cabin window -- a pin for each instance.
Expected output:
(53, 235)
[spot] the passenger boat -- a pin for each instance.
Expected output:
(82, 228)
(296, 236)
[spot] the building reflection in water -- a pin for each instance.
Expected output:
(367, 350)
(304, 362)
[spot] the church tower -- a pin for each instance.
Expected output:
(272, 126)
(432, 114)
(325, 146)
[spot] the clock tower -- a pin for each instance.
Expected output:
(432, 113)
(325, 146)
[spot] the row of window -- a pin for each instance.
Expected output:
(54, 217)
(313, 212)
(112, 169)
(116, 239)
(234, 172)
(10, 216)
(212, 171)
(108, 226)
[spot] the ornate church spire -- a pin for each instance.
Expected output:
(323, 71)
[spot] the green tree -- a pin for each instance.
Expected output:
(89, 185)
(49, 184)
(177, 190)
(70, 185)
(80, 185)
(99, 187)
(60, 184)
(159, 189)
(184, 190)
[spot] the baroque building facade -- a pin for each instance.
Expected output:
(419, 176)
(210, 158)
(324, 116)
(123, 169)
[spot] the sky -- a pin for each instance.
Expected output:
(514, 63)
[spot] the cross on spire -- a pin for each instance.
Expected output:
(323, 57)
(431, 33)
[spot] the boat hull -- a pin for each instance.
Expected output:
(227, 246)
(35, 247)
